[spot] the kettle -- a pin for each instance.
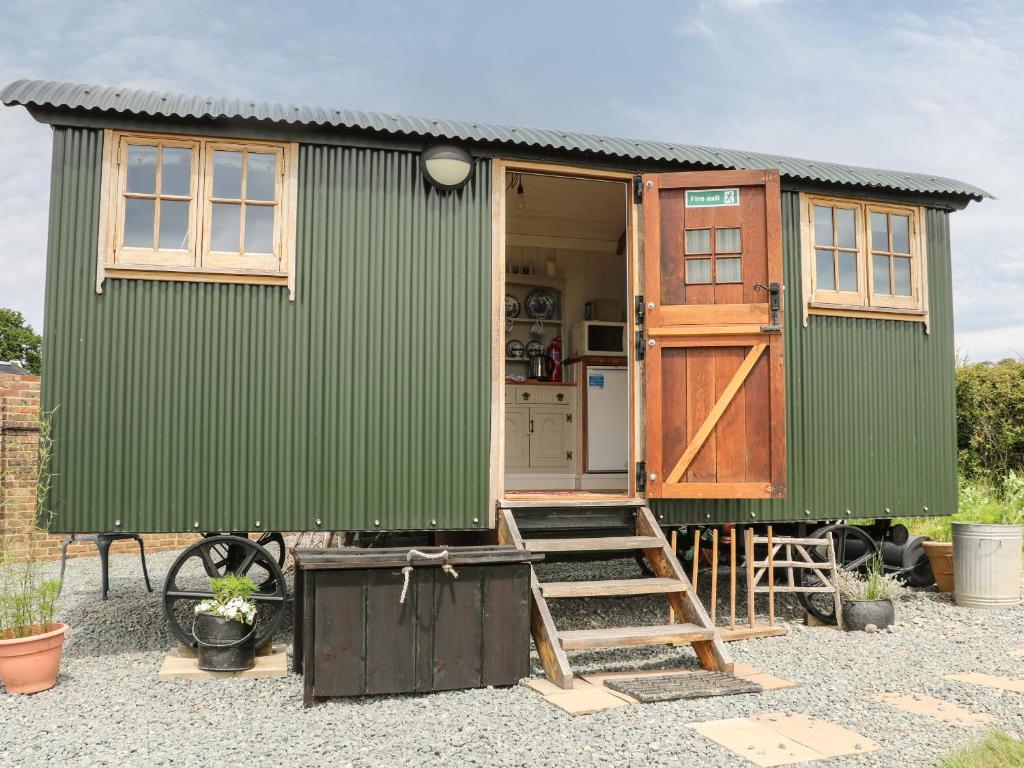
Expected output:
(539, 367)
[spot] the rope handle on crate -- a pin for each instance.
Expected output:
(407, 570)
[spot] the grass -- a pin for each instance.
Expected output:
(978, 503)
(996, 750)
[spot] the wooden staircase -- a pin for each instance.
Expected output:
(643, 537)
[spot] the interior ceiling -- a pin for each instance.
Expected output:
(566, 210)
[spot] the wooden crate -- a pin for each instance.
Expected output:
(354, 637)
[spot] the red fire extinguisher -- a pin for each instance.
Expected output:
(554, 352)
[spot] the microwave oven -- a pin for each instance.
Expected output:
(594, 337)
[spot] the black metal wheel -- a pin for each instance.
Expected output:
(188, 582)
(854, 549)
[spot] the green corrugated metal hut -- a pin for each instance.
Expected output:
(265, 316)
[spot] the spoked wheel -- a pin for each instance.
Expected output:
(188, 582)
(854, 550)
(227, 554)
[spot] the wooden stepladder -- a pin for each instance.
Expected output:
(790, 554)
(669, 579)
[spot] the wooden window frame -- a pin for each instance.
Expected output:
(197, 263)
(863, 303)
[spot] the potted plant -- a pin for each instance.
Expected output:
(940, 558)
(225, 625)
(869, 600)
(31, 641)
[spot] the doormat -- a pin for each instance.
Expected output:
(681, 685)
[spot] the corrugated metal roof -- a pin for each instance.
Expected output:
(42, 93)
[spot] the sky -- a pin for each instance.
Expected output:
(930, 86)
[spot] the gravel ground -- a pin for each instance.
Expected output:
(109, 709)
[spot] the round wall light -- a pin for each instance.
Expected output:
(445, 166)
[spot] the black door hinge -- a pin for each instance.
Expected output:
(641, 345)
(639, 309)
(568, 418)
(641, 476)
(568, 455)
(638, 190)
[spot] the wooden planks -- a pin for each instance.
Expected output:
(610, 588)
(597, 544)
(621, 637)
(709, 423)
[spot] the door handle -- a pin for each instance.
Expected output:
(774, 305)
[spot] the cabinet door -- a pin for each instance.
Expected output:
(517, 437)
(551, 437)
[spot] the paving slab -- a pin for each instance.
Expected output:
(936, 709)
(177, 666)
(989, 681)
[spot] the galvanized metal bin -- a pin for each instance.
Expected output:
(987, 564)
(354, 635)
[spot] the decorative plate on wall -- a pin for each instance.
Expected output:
(515, 349)
(540, 303)
(534, 348)
(512, 306)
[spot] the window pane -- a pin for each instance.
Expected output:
(901, 276)
(138, 222)
(174, 224)
(847, 228)
(847, 271)
(176, 175)
(900, 234)
(879, 232)
(260, 176)
(225, 227)
(141, 168)
(698, 241)
(822, 225)
(728, 241)
(728, 270)
(698, 270)
(227, 174)
(881, 274)
(259, 229)
(825, 276)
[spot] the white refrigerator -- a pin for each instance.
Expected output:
(607, 418)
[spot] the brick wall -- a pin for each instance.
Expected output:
(19, 446)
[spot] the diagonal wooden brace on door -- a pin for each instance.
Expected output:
(716, 413)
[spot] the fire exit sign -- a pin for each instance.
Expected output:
(712, 198)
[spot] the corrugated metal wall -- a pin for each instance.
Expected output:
(870, 407)
(365, 400)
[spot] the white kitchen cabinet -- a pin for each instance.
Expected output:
(517, 437)
(551, 436)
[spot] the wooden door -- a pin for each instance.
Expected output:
(550, 436)
(517, 437)
(715, 408)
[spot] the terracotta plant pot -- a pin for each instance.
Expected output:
(940, 557)
(30, 664)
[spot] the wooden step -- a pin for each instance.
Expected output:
(620, 637)
(597, 544)
(611, 588)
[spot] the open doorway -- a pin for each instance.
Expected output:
(566, 336)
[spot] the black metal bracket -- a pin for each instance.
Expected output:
(774, 305)
(639, 309)
(641, 345)
(641, 476)
(638, 190)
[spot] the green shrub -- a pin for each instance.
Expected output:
(996, 750)
(990, 419)
(980, 501)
